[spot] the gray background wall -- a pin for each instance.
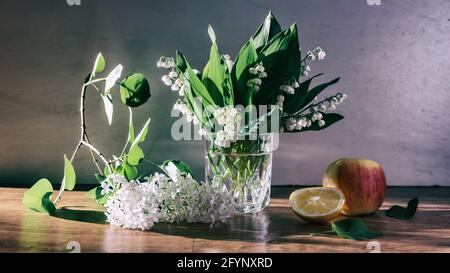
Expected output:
(393, 60)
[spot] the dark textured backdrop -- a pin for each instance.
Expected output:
(393, 60)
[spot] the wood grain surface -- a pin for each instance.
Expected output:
(276, 229)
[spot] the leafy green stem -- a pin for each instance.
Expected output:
(130, 126)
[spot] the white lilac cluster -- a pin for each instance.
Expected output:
(139, 205)
(111, 183)
(315, 114)
(230, 118)
(172, 78)
(185, 111)
(316, 54)
(258, 71)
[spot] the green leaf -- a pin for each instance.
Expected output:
(402, 213)
(214, 73)
(281, 55)
(130, 172)
(281, 58)
(294, 102)
(197, 96)
(135, 154)
(95, 193)
(329, 118)
(99, 64)
(268, 29)
(269, 91)
(142, 134)
(228, 92)
(246, 58)
(313, 93)
(102, 200)
(134, 90)
(69, 175)
(197, 87)
(38, 197)
(100, 178)
(109, 109)
(353, 229)
(173, 167)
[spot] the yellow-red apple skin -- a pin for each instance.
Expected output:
(362, 181)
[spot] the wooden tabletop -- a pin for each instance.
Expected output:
(277, 229)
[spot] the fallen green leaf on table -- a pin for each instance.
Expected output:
(38, 197)
(354, 229)
(95, 193)
(402, 213)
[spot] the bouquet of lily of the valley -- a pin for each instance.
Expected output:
(240, 106)
(131, 199)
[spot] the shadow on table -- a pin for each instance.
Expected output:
(80, 214)
(270, 225)
(280, 225)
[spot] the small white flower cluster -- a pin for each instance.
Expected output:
(297, 123)
(280, 101)
(166, 62)
(289, 89)
(172, 78)
(315, 114)
(184, 109)
(304, 70)
(228, 62)
(139, 205)
(230, 118)
(259, 72)
(330, 103)
(316, 54)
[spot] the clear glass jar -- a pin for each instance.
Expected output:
(244, 170)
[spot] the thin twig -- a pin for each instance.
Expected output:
(93, 157)
(84, 139)
(99, 154)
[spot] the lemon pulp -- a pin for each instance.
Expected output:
(318, 204)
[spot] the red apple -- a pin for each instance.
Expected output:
(361, 180)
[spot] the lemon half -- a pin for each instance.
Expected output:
(318, 204)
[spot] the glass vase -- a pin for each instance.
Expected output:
(244, 169)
